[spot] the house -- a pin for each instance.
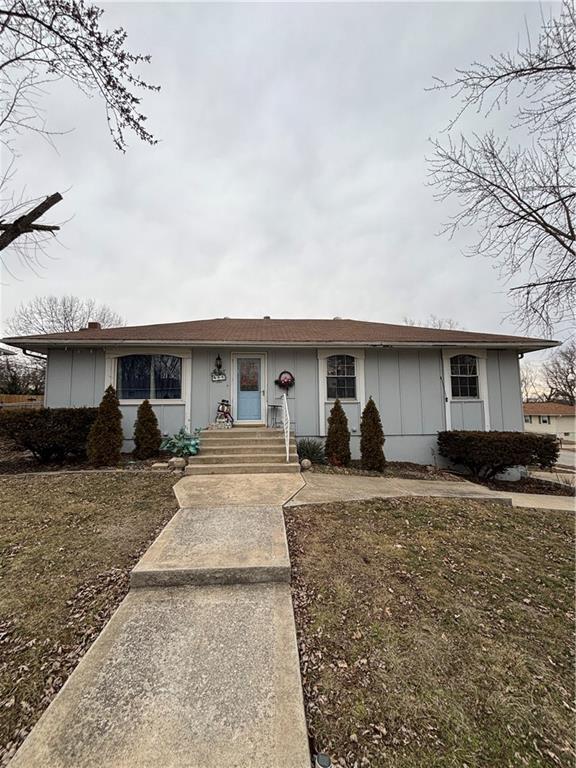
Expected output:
(422, 379)
(551, 419)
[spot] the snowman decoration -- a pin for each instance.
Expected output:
(224, 417)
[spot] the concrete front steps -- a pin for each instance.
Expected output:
(243, 450)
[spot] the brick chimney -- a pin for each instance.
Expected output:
(94, 326)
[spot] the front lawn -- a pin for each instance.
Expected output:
(436, 633)
(67, 544)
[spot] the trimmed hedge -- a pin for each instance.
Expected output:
(486, 454)
(51, 434)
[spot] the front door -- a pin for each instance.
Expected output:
(249, 388)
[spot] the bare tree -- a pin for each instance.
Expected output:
(521, 197)
(20, 375)
(533, 384)
(448, 323)
(58, 314)
(42, 41)
(559, 373)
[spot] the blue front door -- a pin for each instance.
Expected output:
(248, 389)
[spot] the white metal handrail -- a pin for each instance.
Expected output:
(286, 425)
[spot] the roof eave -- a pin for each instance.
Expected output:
(43, 345)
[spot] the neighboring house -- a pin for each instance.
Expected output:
(552, 419)
(423, 380)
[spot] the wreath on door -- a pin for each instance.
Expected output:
(285, 380)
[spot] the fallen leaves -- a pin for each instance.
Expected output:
(453, 648)
(67, 546)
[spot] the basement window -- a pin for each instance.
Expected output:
(151, 377)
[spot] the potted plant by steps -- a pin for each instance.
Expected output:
(182, 444)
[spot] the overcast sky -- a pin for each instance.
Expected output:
(290, 179)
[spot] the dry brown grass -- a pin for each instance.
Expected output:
(67, 544)
(407, 470)
(436, 633)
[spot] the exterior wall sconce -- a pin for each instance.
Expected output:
(218, 374)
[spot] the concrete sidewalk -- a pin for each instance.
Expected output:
(182, 677)
(555, 476)
(198, 667)
(217, 545)
(321, 488)
(237, 490)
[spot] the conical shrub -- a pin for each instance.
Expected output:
(147, 436)
(337, 446)
(105, 438)
(372, 439)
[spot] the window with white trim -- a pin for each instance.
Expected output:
(464, 376)
(528, 419)
(544, 419)
(341, 377)
(152, 377)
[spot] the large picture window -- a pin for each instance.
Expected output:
(464, 376)
(152, 377)
(341, 377)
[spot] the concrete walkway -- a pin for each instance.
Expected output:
(555, 476)
(198, 667)
(567, 457)
(240, 490)
(322, 488)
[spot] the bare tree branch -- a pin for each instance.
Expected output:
(520, 198)
(59, 314)
(543, 75)
(21, 375)
(26, 224)
(42, 41)
(559, 373)
(434, 321)
(532, 382)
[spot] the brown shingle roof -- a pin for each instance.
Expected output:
(231, 330)
(549, 409)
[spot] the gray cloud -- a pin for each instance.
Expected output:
(291, 176)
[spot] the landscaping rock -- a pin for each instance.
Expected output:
(305, 463)
(177, 463)
(161, 466)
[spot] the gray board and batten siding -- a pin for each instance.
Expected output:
(407, 385)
